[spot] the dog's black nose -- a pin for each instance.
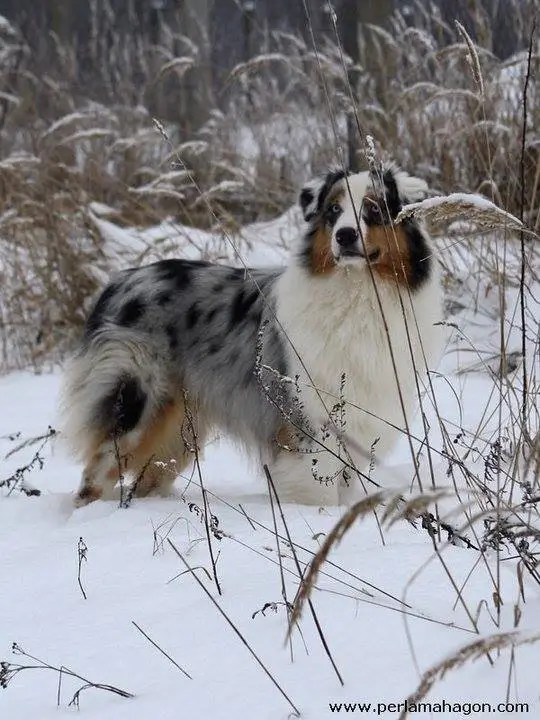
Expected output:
(346, 236)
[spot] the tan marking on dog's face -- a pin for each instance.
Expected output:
(394, 260)
(322, 258)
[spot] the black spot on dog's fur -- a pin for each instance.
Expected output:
(383, 210)
(120, 410)
(306, 198)
(131, 312)
(235, 274)
(174, 272)
(219, 288)
(236, 309)
(241, 305)
(172, 336)
(393, 201)
(250, 300)
(330, 180)
(163, 298)
(178, 273)
(210, 315)
(192, 317)
(96, 317)
(420, 255)
(307, 195)
(214, 348)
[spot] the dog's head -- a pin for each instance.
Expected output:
(352, 224)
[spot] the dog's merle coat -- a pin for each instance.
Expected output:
(177, 348)
(201, 322)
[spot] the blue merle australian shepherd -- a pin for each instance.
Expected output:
(315, 366)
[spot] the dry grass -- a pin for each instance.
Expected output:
(468, 653)
(65, 145)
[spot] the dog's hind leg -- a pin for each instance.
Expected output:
(154, 455)
(103, 470)
(166, 448)
(109, 428)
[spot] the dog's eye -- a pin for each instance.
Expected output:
(332, 212)
(372, 212)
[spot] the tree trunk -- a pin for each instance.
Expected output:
(350, 15)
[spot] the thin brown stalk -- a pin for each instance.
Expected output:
(82, 556)
(359, 509)
(246, 516)
(9, 670)
(236, 630)
(206, 511)
(161, 650)
(292, 621)
(522, 302)
(280, 563)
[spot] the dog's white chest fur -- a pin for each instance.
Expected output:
(336, 328)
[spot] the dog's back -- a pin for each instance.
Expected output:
(162, 335)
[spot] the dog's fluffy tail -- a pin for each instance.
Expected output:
(110, 387)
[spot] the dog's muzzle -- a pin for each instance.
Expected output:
(350, 245)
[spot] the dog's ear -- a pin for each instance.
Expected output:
(314, 193)
(402, 188)
(399, 189)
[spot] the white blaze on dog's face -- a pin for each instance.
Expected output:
(345, 218)
(351, 223)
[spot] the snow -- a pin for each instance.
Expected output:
(261, 243)
(132, 574)
(463, 203)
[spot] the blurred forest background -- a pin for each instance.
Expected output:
(112, 40)
(253, 97)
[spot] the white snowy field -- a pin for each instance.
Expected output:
(388, 606)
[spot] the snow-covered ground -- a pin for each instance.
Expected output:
(387, 605)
